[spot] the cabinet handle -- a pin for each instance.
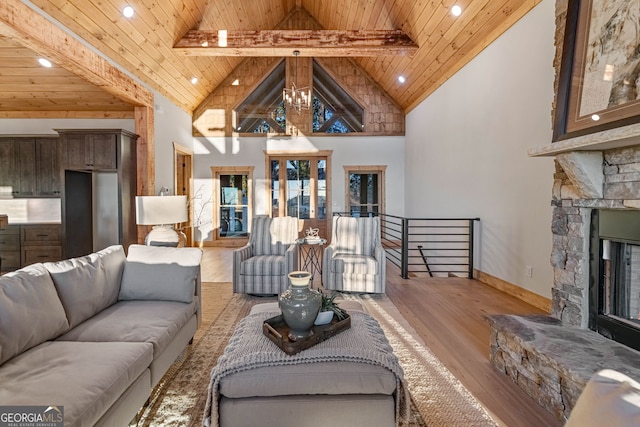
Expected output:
(42, 235)
(43, 256)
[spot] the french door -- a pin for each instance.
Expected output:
(299, 187)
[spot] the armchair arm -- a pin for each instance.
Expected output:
(327, 255)
(243, 253)
(379, 253)
(291, 257)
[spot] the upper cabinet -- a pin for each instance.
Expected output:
(89, 151)
(29, 167)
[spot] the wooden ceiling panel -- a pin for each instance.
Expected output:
(29, 90)
(144, 44)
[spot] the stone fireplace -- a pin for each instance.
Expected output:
(552, 357)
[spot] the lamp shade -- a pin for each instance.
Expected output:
(154, 210)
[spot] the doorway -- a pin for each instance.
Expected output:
(183, 178)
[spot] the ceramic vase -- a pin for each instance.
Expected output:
(299, 305)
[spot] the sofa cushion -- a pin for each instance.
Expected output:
(264, 265)
(610, 398)
(89, 284)
(155, 322)
(160, 273)
(85, 378)
(30, 311)
(309, 378)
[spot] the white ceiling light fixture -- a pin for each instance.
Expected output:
(128, 12)
(222, 38)
(456, 10)
(194, 80)
(402, 79)
(296, 98)
(45, 62)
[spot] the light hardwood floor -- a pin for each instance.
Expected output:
(449, 315)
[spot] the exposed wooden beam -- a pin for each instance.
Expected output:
(313, 43)
(23, 24)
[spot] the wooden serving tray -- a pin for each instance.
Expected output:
(277, 331)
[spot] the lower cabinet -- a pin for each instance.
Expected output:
(9, 248)
(22, 245)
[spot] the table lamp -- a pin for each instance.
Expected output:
(162, 212)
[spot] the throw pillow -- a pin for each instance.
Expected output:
(160, 273)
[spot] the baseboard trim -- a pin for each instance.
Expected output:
(516, 291)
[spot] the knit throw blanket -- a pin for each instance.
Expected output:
(248, 348)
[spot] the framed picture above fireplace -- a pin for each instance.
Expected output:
(599, 79)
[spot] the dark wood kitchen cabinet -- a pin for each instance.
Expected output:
(22, 245)
(29, 167)
(90, 151)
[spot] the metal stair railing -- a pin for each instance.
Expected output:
(438, 247)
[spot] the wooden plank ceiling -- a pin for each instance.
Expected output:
(145, 46)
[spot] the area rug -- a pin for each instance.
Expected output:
(437, 397)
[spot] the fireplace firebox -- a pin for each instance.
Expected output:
(614, 285)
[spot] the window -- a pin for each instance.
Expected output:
(334, 111)
(299, 188)
(232, 204)
(364, 189)
(263, 110)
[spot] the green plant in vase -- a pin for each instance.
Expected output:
(329, 304)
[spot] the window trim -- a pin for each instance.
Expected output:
(216, 171)
(373, 169)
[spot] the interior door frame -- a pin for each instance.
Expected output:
(183, 168)
(380, 170)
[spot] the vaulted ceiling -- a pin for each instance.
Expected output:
(145, 46)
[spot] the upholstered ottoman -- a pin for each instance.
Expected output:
(351, 379)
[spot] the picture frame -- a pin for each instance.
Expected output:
(599, 79)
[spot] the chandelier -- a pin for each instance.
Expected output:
(296, 98)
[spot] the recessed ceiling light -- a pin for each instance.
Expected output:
(595, 117)
(194, 80)
(127, 12)
(205, 43)
(45, 62)
(456, 10)
(236, 82)
(402, 79)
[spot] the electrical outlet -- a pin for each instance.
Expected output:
(529, 271)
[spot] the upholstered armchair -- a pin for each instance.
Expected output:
(261, 267)
(355, 260)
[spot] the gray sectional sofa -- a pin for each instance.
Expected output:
(95, 334)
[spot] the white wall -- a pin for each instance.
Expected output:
(172, 125)
(466, 151)
(348, 150)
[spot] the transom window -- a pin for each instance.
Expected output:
(333, 110)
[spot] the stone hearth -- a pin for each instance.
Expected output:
(552, 362)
